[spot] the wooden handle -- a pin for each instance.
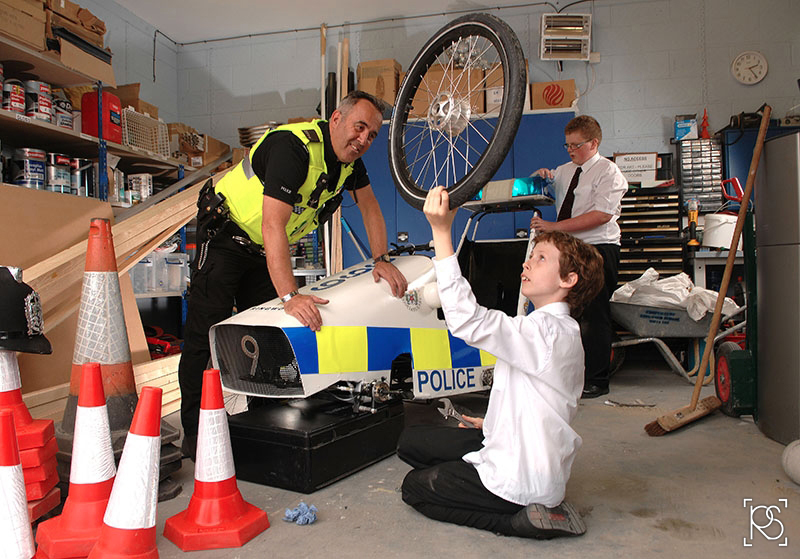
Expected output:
(726, 276)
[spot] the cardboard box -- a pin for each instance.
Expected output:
(214, 149)
(184, 140)
(381, 78)
(129, 97)
(438, 80)
(553, 95)
(685, 127)
(23, 21)
(494, 89)
(64, 8)
(56, 20)
(74, 58)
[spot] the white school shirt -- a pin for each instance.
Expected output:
(528, 445)
(601, 186)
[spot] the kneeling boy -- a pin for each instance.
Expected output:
(510, 473)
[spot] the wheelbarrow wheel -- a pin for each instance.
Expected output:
(723, 379)
(439, 134)
(617, 360)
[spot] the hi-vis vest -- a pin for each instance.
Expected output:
(244, 193)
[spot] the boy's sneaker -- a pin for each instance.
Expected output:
(541, 522)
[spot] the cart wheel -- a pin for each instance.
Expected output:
(723, 380)
(435, 135)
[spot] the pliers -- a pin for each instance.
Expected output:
(449, 411)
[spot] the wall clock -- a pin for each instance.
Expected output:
(749, 67)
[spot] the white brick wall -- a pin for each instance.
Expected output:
(651, 67)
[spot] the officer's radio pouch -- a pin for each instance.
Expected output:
(212, 214)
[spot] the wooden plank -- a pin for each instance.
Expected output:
(46, 395)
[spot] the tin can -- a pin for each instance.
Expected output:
(62, 112)
(30, 166)
(57, 171)
(13, 96)
(35, 185)
(38, 100)
(82, 177)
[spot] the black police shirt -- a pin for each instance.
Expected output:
(281, 162)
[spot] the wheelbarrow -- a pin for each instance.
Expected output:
(650, 324)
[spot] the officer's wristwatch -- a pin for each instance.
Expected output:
(381, 258)
(285, 298)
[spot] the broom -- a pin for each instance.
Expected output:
(700, 408)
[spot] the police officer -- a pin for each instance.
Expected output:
(291, 179)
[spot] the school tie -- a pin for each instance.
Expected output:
(565, 212)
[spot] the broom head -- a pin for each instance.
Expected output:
(682, 416)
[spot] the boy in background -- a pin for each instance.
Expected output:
(589, 190)
(509, 474)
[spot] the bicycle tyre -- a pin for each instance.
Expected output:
(449, 114)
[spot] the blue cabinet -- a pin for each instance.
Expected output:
(538, 144)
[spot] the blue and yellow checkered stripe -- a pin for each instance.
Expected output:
(355, 349)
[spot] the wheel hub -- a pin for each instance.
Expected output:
(449, 114)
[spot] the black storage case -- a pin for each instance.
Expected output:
(304, 445)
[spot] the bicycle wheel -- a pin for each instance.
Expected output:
(436, 135)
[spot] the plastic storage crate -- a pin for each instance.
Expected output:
(143, 132)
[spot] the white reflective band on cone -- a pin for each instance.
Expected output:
(214, 455)
(132, 505)
(9, 371)
(101, 335)
(15, 528)
(92, 456)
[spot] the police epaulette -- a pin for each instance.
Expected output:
(312, 135)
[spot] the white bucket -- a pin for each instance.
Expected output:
(718, 231)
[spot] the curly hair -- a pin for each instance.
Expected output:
(581, 258)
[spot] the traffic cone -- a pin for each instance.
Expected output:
(15, 527)
(75, 531)
(217, 516)
(101, 337)
(129, 523)
(31, 433)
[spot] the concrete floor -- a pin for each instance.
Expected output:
(680, 495)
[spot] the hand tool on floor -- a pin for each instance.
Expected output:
(449, 411)
(700, 408)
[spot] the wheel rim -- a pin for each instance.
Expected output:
(437, 136)
(723, 380)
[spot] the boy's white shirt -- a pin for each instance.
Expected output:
(529, 445)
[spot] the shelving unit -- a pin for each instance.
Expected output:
(24, 131)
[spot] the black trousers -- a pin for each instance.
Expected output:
(229, 276)
(444, 487)
(597, 329)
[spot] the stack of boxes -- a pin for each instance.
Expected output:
(193, 148)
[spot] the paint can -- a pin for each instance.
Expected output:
(13, 96)
(57, 171)
(82, 176)
(38, 100)
(28, 168)
(62, 111)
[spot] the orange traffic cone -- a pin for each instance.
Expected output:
(31, 433)
(15, 528)
(129, 524)
(217, 515)
(75, 531)
(101, 337)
